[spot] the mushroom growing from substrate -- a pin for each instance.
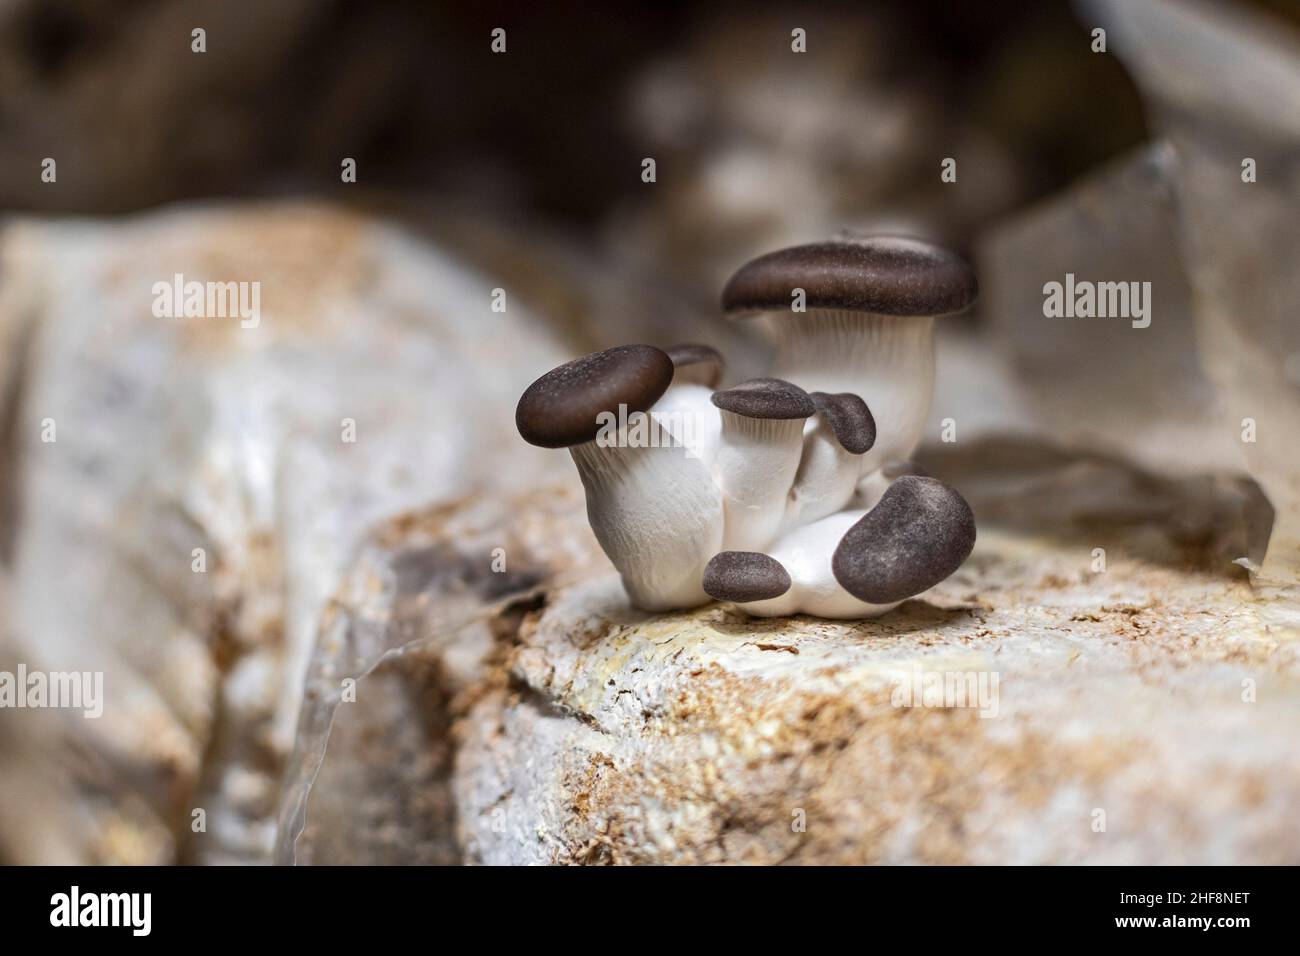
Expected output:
(866, 325)
(763, 495)
(758, 456)
(843, 431)
(853, 564)
(695, 364)
(654, 509)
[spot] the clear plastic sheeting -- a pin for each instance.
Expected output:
(1222, 85)
(1128, 382)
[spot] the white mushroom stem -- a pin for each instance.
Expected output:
(656, 514)
(805, 553)
(826, 477)
(755, 467)
(873, 485)
(688, 414)
(871, 488)
(888, 360)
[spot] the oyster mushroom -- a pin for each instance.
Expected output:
(653, 507)
(853, 564)
(695, 364)
(686, 409)
(919, 533)
(834, 443)
(868, 327)
(758, 456)
(803, 555)
(745, 576)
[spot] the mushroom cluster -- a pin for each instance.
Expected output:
(787, 494)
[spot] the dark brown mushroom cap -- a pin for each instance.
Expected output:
(766, 398)
(885, 275)
(849, 418)
(919, 533)
(560, 409)
(743, 576)
(697, 363)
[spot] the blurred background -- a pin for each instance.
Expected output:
(485, 178)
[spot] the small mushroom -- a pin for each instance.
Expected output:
(834, 443)
(758, 456)
(743, 576)
(653, 508)
(696, 364)
(804, 554)
(854, 564)
(686, 409)
(919, 533)
(868, 325)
